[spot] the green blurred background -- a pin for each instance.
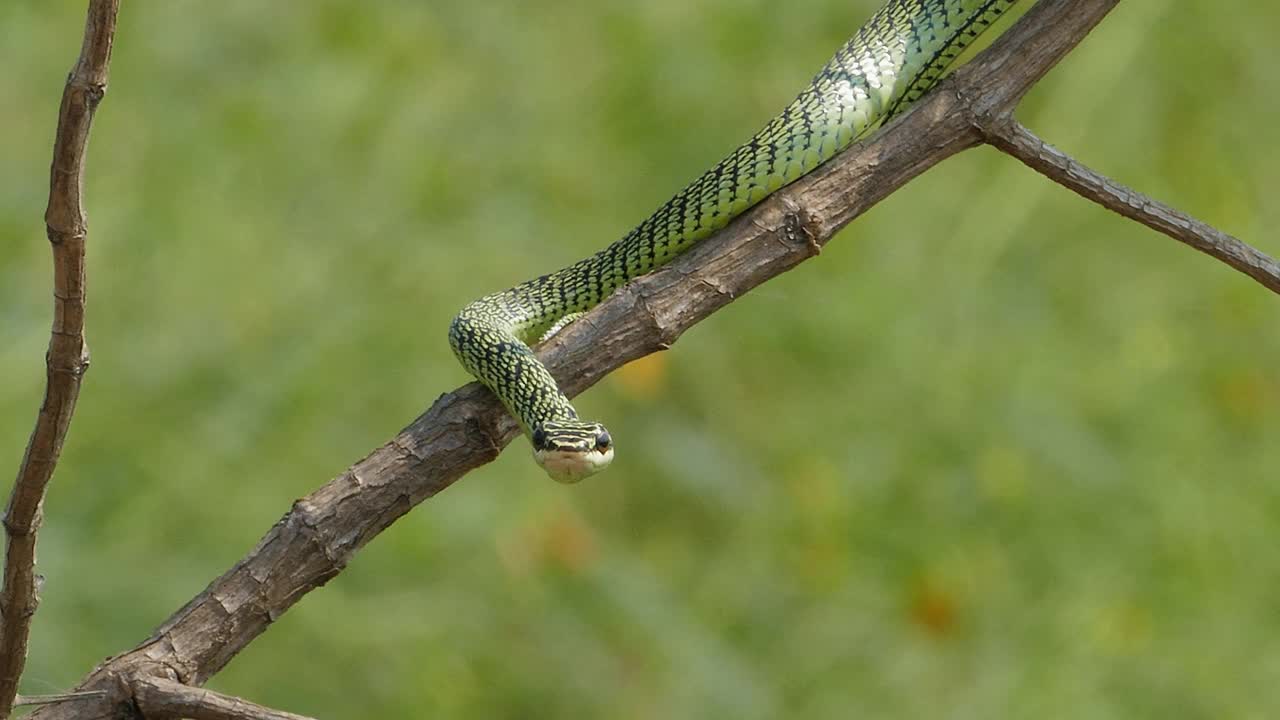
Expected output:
(996, 453)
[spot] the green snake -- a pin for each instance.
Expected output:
(897, 56)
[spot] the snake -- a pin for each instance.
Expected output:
(890, 62)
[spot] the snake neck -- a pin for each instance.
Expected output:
(897, 56)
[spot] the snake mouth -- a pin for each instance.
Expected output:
(571, 466)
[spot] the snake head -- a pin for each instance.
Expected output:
(570, 450)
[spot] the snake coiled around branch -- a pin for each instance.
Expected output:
(896, 57)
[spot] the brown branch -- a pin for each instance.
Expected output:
(1016, 140)
(54, 698)
(158, 698)
(468, 427)
(68, 356)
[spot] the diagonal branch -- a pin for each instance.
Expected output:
(1016, 140)
(57, 698)
(158, 698)
(68, 356)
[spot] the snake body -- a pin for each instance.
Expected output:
(897, 56)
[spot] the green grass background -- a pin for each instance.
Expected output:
(996, 453)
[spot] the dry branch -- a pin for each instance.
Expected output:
(158, 698)
(58, 698)
(1016, 140)
(468, 427)
(68, 356)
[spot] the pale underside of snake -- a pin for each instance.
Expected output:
(897, 56)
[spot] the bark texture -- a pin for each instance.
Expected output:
(68, 355)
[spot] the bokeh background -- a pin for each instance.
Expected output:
(996, 453)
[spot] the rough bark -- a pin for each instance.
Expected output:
(158, 698)
(68, 355)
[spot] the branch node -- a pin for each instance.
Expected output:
(663, 334)
(305, 519)
(798, 226)
(988, 123)
(95, 92)
(493, 444)
(60, 237)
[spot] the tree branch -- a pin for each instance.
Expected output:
(68, 356)
(468, 427)
(158, 698)
(1013, 138)
(57, 698)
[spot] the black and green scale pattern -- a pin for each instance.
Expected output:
(897, 56)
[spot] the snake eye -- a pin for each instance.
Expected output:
(539, 439)
(603, 440)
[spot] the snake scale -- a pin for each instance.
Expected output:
(897, 56)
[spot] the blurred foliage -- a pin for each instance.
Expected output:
(996, 453)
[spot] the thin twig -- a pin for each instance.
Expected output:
(467, 428)
(1013, 138)
(68, 356)
(160, 698)
(53, 698)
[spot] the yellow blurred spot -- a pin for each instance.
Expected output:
(1002, 473)
(1247, 396)
(568, 543)
(934, 610)
(515, 553)
(645, 378)
(558, 540)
